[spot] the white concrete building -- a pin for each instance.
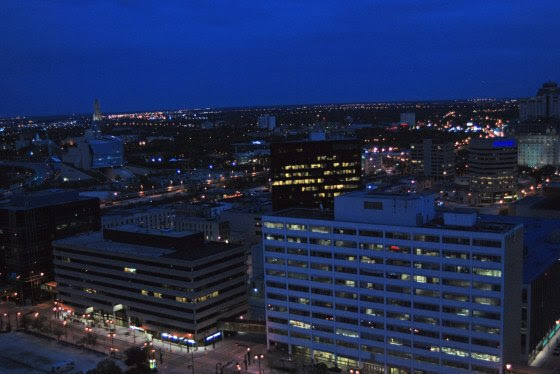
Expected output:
(537, 150)
(386, 286)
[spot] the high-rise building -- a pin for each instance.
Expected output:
(372, 162)
(267, 122)
(170, 284)
(546, 104)
(409, 119)
(28, 225)
(433, 158)
(492, 168)
(385, 285)
(537, 150)
(312, 173)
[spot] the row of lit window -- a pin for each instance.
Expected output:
(391, 341)
(460, 283)
(432, 238)
(392, 262)
(429, 252)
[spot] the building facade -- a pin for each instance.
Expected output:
(267, 122)
(434, 159)
(214, 229)
(546, 104)
(153, 218)
(408, 118)
(385, 286)
(313, 173)
(28, 225)
(537, 150)
(168, 283)
(493, 170)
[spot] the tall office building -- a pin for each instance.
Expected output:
(386, 286)
(492, 168)
(312, 173)
(537, 150)
(433, 158)
(166, 283)
(28, 225)
(267, 122)
(409, 118)
(546, 104)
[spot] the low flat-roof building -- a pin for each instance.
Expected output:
(169, 283)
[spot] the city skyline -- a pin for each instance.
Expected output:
(58, 57)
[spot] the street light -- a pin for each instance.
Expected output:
(259, 358)
(508, 368)
(112, 336)
(249, 355)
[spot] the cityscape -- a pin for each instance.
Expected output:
(321, 222)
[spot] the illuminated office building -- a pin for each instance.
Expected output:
(538, 150)
(492, 168)
(384, 285)
(546, 104)
(434, 159)
(313, 173)
(168, 283)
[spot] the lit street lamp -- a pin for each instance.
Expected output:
(259, 358)
(112, 336)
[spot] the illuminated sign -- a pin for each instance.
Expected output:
(503, 143)
(213, 336)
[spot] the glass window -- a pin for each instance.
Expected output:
(426, 238)
(317, 241)
(487, 243)
(296, 227)
(454, 240)
(373, 205)
(345, 243)
(344, 231)
(321, 229)
(273, 225)
(397, 235)
(374, 234)
(487, 272)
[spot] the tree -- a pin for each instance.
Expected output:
(136, 356)
(106, 366)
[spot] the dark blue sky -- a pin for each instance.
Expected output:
(57, 56)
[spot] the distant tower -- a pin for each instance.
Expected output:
(95, 126)
(96, 111)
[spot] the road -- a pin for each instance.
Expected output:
(174, 358)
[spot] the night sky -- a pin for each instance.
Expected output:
(57, 56)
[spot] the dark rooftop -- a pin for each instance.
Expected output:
(541, 239)
(139, 242)
(43, 198)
